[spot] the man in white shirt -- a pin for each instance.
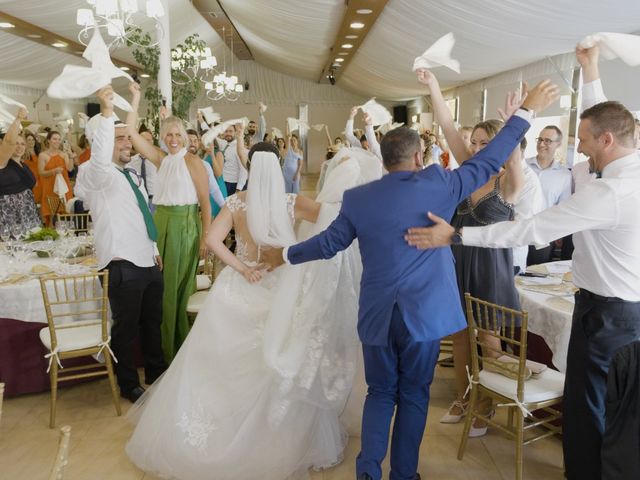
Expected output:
(125, 246)
(233, 172)
(145, 169)
(604, 216)
(255, 133)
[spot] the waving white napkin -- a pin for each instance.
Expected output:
(209, 115)
(213, 133)
(8, 115)
(79, 82)
(378, 113)
(60, 187)
(318, 127)
(295, 124)
(438, 55)
(615, 45)
(276, 132)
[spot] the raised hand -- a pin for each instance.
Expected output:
(542, 95)
(513, 102)
(367, 119)
(353, 113)
(134, 88)
(437, 235)
(22, 113)
(105, 97)
(587, 56)
(427, 78)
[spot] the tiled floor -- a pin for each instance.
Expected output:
(28, 446)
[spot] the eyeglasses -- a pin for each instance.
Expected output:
(546, 141)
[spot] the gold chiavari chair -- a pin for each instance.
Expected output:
(1, 398)
(80, 221)
(76, 308)
(206, 272)
(62, 455)
(507, 382)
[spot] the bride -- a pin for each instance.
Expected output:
(256, 390)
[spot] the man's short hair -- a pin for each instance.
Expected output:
(556, 130)
(191, 131)
(398, 146)
(612, 117)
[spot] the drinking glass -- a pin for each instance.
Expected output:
(17, 231)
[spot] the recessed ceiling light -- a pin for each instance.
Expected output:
(6, 25)
(126, 69)
(335, 65)
(351, 37)
(364, 11)
(59, 45)
(339, 60)
(357, 25)
(347, 45)
(144, 75)
(343, 53)
(34, 35)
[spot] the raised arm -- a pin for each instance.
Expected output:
(262, 122)
(592, 92)
(146, 149)
(512, 182)
(348, 129)
(443, 116)
(329, 140)
(9, 143)
(240, 150)
(374, 146)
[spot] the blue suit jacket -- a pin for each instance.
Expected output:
(421, 282)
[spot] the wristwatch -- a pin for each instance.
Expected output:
(456, 238)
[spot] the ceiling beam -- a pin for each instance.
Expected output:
(358, 11)
(216, 16)
(36, 34)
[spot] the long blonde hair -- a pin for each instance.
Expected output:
(171, 121)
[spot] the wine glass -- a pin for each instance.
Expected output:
(5, 233)
(60, 228)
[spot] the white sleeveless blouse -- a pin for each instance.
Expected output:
(174, 185)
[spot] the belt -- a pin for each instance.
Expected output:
(600, 298)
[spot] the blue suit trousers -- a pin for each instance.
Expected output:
(398, 376)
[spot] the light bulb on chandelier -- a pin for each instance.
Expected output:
(116, 18)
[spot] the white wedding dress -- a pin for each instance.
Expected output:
(257, 388)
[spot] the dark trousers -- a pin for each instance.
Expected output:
(231, 188)
(398, 377)
(600, 327)
(135, 296)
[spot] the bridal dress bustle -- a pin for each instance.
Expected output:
(257, 388)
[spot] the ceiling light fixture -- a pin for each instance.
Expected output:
(59, 44)
(357, 25)
(351, 37)
(116, 17)
(222, 86)
(124, 69)
(339, 60)
(364, 11)
(34, 35)
(144, 75)
(6, 25)
(343, 53)
(347, 45)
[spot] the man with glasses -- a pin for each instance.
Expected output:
(555, 181)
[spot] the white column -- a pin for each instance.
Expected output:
(164, 73)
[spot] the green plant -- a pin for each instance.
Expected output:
(42, 234)
(148, 57)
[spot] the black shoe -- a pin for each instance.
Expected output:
(364, 476)
(132, 395)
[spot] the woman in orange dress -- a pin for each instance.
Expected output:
(51, 162)
(30, 159)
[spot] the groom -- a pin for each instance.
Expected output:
(408, 297)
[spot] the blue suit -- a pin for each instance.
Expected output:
(408, 297)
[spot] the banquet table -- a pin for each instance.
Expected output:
(549, 300)
(22, 316)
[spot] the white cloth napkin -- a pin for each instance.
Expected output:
(60, 187)
(438, 55)
(295, 124)
(8, 115)
(276, 132)
(318, 127)
(209, 115)
(615, 45)
(378, 113)
(80, 82)
(213, 133)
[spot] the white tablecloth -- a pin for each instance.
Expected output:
(549, 313)
(23, 300)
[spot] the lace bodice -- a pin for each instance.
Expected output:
(246, 250)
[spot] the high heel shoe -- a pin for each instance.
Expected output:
(480, 431)
(453, 417)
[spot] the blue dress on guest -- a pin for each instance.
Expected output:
(289, 169)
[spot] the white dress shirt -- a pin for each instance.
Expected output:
(348, 134)
(604, 217)
(119, 228)
(531, 201)
(214, 188)
(232, 170)
(555, 181)
(150, 171)
(580, 175)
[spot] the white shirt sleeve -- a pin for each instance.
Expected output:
(97, 171)
(285, 255)
(374, 146)
(592, 94)
(593, 207)
(348, 133)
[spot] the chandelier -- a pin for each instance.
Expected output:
(192, 63)
(222, 86)
(116, 17)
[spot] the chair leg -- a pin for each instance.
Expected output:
(511, 411)
(473, 401)
(53, 379)
(519, 446)
(112, 382)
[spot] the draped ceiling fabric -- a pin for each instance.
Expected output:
(294, 37)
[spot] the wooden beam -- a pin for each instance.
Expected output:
(357, 11)
(216, 16)
(36, 34)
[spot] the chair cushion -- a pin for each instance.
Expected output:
(196, 300)
(76, 338)
(203, 282)
(549, 384)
